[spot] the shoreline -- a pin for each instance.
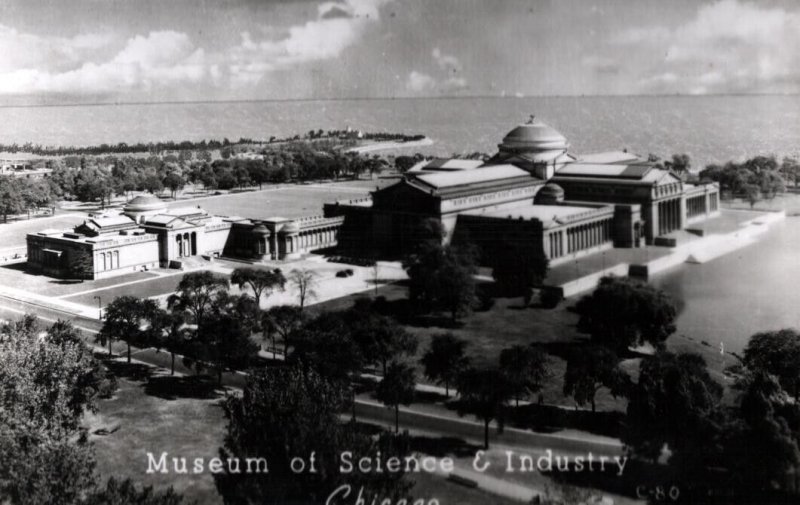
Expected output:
(383, 146)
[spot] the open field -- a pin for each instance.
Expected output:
(12, 235)
(290, 202)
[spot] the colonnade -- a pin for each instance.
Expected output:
(585, 236)
(669, 216)
(309, 240)
(696, 206)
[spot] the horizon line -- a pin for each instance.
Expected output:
(367, 99)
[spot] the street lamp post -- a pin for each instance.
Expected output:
(99, 307)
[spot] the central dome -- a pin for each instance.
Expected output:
(534, 136)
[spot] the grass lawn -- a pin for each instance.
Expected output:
(790, 202)
(166, 415)
(289, 202)
(506, 324)
(15, 275)
(148, 422)
(155, 286)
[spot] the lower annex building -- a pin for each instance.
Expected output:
(532, 192)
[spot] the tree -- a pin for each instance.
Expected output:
(761, 444)
(11, 199)
(525, 369)
(281, 321)
(622, 313)
(304, 281)
(196, 293)
(441, 277)
(380, 337)
(125, 492)
(404, 163)
(174, 182)
(484, 393)
(152, 184)
(519, 268)
(225, 341)
(680, 164)
(169, 332)
(127, 318)
(445, 360)
(397, 387)
(589, 370)
(325, 344)
(261, 282)
(752, 193)
(674, 403)
(776, 353)
(285, 412)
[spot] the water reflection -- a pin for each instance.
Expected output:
(754, 289)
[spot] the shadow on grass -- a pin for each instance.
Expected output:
(137, 372)
(20, 267)
(192, 387)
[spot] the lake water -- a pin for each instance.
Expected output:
(728, 299)
(754, 289)
(716, 128)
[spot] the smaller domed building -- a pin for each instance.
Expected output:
(147, 234)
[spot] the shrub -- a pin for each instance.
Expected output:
(550, 298)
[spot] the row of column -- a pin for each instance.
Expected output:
(315, 239)
(696, 206)
(669, 216)
(588, 235)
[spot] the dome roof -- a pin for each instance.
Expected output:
(551, 188)
(534, 136)
(260, 229)
(550, 193)
(144, 203)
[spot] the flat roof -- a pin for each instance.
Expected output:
(547, 214)
(620, 171)
(477, 175)
(608, 157)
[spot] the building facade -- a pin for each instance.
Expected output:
(533, 192)
(147, 235)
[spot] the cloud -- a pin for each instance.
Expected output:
(446, 62)
(24, 50)
(728, 46)
(166, 60)
(337, 27)
(157, 59)
(418, 82)
(600, 64)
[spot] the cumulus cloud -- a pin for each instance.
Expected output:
(450, 80)
(446, 62)
(157, 59)
(98, 63)
(729, 46)
(419, 82)
(337, 27)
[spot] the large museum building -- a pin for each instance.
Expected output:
(532, 191)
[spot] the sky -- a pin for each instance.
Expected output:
(90, 51)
